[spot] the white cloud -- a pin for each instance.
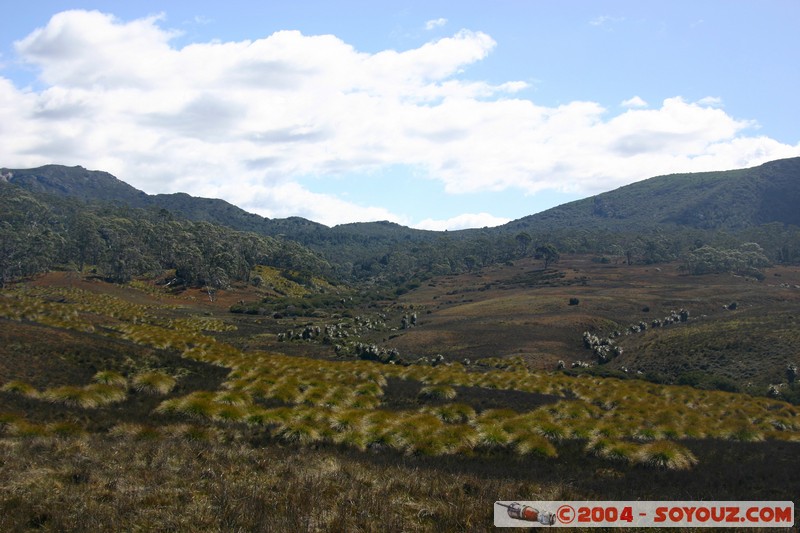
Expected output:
(435, 23)
(710, 101)
(603, 20)
(635, 101)
(467, 220)
(245, 120)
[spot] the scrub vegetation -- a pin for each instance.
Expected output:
(172, 363)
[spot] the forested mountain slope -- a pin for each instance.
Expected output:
(661, 218)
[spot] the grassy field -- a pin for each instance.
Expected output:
(125, 408)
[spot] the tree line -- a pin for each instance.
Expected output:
(40, 233)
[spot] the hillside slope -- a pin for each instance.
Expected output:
(666, 216)
(729, 200)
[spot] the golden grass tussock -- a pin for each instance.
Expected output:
(199, 404)
(298, 432)
(27, 430)
(229, 413)
(72, 396)
(493, 436)
(257, 416)
(110, 377)
(533, 443)
(438, 392)
(349, 420)
(235, 398)
(157, 383)
(666, 454)
(107, 394)
(452, 413)
(65, 429)
(20, 387)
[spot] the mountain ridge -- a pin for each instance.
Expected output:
(706, 199)
(656, 219)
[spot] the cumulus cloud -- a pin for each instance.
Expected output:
(244, 120)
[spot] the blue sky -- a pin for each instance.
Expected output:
(431, 114)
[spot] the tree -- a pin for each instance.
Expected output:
(548, 253)
(523, 241)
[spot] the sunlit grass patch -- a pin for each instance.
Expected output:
(106, 394)
(229, 413)
(20, 387)
(199, 404)
(237, 398)
(438, 392)
(110, 377)
(666, 454)
(493, 436)
(257, 416)
(23, 429)
(534, 443)
(646, 434)
(452, 413)
(65, 429)
(72, 396)
(153, 383)
(298, 432)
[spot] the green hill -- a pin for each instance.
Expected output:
(730, 200)
(653, 220)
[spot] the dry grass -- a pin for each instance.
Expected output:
(154, 383)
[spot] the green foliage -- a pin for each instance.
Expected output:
(746, 260)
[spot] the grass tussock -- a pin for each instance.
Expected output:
(20, 387)
(438, 392)
(666, 454)
(156, 383)
(110, 377)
